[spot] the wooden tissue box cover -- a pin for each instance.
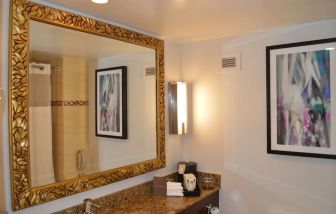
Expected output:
(159, 186)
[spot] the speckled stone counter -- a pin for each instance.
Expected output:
(140, 200)
(158, 204)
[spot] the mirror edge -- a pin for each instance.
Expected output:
(23, 195)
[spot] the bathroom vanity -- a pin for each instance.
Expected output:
(201, 206)
(140, 200)
(165, 204)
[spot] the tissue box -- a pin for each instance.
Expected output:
(159, 186)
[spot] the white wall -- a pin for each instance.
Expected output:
(229, 129)
(140, 144)
(173, 145)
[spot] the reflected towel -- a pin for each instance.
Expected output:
(39, 85)
(40, 123)
(40, 136)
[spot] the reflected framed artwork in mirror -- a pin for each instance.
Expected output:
(53, 58)
(111, 102)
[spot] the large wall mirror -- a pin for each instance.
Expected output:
(71, 79)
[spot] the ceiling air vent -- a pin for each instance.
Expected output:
(230, 62)
(149, 71)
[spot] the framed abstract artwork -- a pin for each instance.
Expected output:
(111, 102)
(301, 101)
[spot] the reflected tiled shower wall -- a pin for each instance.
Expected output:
(70, 135)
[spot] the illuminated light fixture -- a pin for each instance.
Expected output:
(177, 107)
(330, 49)
(100, 1)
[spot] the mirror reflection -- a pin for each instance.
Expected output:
(62, 101)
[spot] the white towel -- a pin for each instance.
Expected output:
(174, 188)
(175, 184)
(174, 191)
(175, 194)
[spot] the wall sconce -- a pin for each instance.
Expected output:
(177, 107)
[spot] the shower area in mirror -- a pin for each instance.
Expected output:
(58, 90)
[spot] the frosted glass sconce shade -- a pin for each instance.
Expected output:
(100, 1)
(177, 107)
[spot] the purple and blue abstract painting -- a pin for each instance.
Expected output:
(109, 102)
(303, 98)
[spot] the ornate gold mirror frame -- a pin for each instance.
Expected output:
(23, 195)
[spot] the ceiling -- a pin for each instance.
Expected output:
(194, 20)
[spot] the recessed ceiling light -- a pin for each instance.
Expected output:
(330, 49)
(99, 1)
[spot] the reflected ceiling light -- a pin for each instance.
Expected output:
(100, 1)
(330, 49)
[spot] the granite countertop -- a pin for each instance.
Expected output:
(139, 199)
(158, 204)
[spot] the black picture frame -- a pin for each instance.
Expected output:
(300, 81)
(111, 102)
